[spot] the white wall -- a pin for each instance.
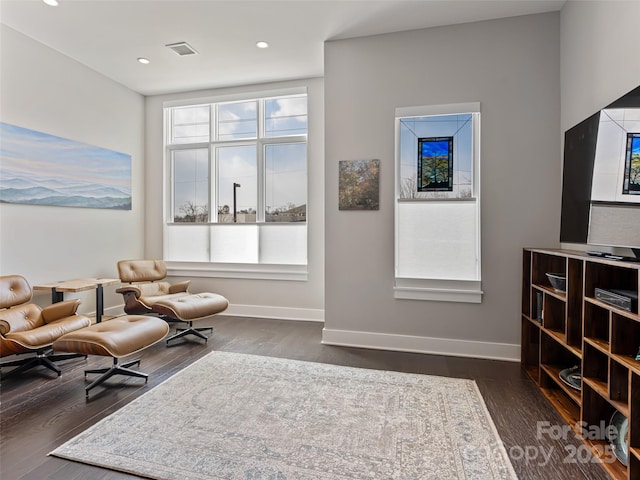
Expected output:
(598, 62)
(511, 66)
(285, 299)
(599, 56)
(46, 91)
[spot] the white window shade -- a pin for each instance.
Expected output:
(438, 240)
(283, 244)
(187, 243)
(234, 243)
(274, 244)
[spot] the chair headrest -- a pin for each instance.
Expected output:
(141, 270)
(14, 290)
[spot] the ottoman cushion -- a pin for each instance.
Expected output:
(192, 307)
(117, 337)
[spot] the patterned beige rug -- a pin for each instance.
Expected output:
(236, 416)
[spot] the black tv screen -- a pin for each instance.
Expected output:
(577, 174)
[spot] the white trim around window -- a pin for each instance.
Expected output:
(466, 291)
(262, 245)
(238, 270)
(456, 282)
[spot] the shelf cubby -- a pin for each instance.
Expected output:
(619, 386)
(595, 366)
(554, 353)
(596, 409)
(554, 314)
(625, 340)
(555, 357)
(634, 416)
(543, 263)
(597, 325)
(567, 404)
(550, 374)
(596, 413)
(607, 276)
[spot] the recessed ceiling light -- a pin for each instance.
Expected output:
(53, 3)
(143, 60)
(262, 45)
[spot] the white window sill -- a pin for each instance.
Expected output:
(463, 291)
(250, 271)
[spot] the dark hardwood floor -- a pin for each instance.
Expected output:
(39, 411)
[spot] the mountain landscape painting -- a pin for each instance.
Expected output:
(41, 169)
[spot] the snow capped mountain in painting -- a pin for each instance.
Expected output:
(41, 169)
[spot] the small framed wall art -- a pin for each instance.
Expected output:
(359, 185)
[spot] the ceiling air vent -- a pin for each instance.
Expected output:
(182, 48)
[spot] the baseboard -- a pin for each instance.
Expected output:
(114, 311)
(255, 311)
(279, 313)
(407, 343)
(377, 341)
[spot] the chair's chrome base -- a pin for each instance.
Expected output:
(42, 357)
(190, 330)
(115, 370)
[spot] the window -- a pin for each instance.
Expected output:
(437, 221)
(190, 124)
(237, 182)
(191, 185)
(285, 182)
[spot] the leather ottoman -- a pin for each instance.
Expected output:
(190, 308)
(117, 338)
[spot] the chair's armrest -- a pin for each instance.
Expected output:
(5, 327)
(59, 310)
(179, 287)
(126, 289)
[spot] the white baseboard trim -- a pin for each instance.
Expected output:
(278, 313)
(408, 343)
(113, 311)
(256, 311)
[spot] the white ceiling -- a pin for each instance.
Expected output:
(109, 35)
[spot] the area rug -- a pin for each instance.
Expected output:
(237, 416)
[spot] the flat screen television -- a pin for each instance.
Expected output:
(601, 178)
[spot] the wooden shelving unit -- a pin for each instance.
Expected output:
(565, 329)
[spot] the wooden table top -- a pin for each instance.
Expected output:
(78, 284)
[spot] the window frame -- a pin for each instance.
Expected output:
(285, 271)
(438, 289)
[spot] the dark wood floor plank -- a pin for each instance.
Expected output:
(39, 412)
